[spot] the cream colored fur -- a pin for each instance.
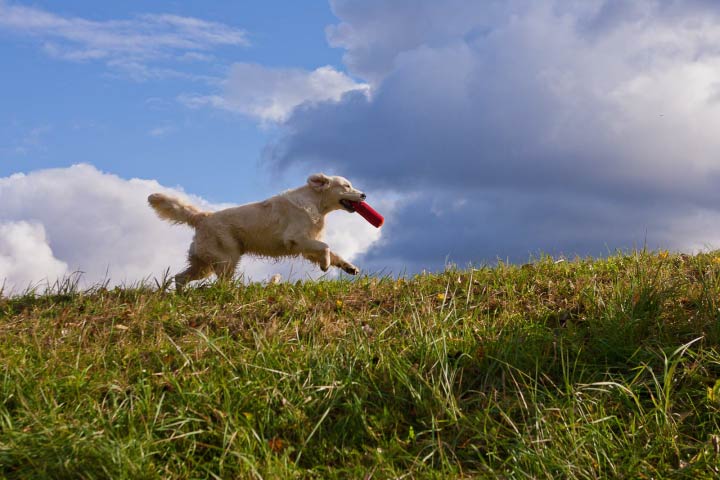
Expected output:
(288, 224)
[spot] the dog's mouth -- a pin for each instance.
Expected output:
(348, 205)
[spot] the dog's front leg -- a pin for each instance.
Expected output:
(337, 261)
(314, 250)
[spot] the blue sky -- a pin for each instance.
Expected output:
(57, 112)
(482, 130)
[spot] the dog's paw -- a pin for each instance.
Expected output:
(325, 264)
(351, 269)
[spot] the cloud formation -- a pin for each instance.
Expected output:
(271, 94)
(26, 257)
(513, 127)
(58, 221)
(126, 44)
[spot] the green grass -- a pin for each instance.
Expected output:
(578, 369)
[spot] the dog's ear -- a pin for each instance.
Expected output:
(319, 181)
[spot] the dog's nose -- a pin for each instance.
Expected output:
(363, 196)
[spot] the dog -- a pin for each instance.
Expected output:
(288, 224)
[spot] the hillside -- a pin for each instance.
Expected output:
(569, 369)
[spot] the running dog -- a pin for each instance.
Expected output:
(288, 224)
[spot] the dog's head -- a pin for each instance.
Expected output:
(338, 192)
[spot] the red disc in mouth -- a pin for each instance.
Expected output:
(368, 213)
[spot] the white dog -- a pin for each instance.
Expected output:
(288, 224)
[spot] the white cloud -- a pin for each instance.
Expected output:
(26, 258)
(120, 42)
(57, 221)
(272, 94)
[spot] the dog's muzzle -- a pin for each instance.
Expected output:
(347, 205)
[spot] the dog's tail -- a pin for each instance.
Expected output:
(175, 210)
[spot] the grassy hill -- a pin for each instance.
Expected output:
(573, 369)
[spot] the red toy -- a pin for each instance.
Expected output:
(368, 213)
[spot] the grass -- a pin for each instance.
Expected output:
(576, 369)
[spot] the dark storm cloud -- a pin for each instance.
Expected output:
(568, 127)
(516, 227)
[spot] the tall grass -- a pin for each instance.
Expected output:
(577, 369)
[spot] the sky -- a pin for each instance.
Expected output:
(481, 130)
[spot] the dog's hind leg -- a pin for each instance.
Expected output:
(225, 269)
(195, 271)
